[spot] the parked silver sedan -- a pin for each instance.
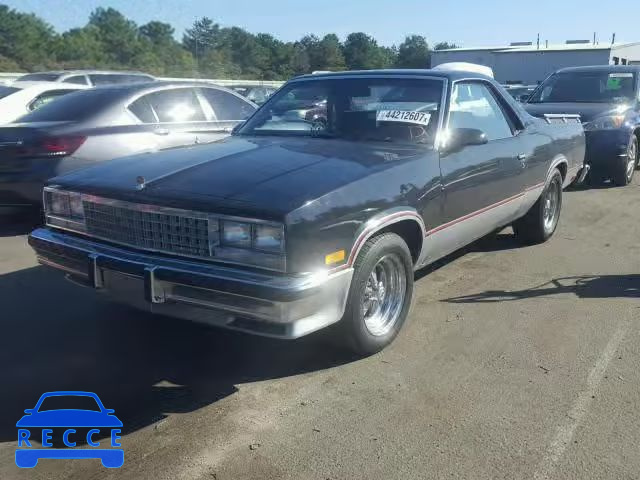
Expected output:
(90, 126)
(92, 78)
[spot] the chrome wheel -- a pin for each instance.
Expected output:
(632, 158)
(551, 204)
(384, 295)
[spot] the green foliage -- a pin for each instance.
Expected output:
(444, 46)
(110, 40)
(413, 53)
(361, 52)
(25, 39)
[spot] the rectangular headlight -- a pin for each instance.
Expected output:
(236, 234)
(59, 204)
(249, 242)
(76, 207)
(64, 209)
(268, 238)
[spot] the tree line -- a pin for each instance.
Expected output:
(111, 41)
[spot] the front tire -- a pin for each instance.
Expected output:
(541, 221)
(380, 295)
(625, 166)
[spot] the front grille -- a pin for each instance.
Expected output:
(171, 233)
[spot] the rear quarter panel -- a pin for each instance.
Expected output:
(551, 144)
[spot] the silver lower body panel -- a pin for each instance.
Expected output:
(280, 306)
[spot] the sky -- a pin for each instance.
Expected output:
(465, 22)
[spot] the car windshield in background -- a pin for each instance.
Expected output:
(517, 92)
(359, 109)
(586, 87)
(39, 77)
(6, 91)
(72, 107)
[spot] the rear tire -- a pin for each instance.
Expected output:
(541, 221)
(625, 167)
(380, 295)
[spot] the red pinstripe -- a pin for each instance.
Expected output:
(386, 220)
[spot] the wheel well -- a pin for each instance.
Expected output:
(562, 168)
(410, 232)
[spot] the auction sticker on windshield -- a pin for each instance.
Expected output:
(404, 116)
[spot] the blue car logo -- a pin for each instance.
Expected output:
(97, 419)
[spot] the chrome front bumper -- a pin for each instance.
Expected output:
(282, 306)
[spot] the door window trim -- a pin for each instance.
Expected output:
(506, 109)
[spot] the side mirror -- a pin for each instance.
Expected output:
(464, 137)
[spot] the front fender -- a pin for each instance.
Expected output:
(380, 221)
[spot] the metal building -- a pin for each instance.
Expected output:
(528, 63)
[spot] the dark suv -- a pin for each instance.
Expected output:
(607, 98)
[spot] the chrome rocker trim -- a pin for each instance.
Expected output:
(273, 305)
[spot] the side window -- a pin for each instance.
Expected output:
(77, 79)
(474, 106)
(178, 105)
(104, 79)
(141, 108)
(227, 106)
(47, 97)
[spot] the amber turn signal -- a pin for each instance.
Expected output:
(334, 257)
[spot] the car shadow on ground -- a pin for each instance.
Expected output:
(587, 286)
(494, 242)
(59, 336)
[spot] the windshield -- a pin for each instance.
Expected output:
(39, 77)
(72, 106)
(6, 91)
(69, 402)
(586, 87)
(360, 109)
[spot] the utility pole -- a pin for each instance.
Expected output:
(196, 34)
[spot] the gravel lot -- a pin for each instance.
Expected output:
(517, 363)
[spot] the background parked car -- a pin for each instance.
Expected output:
(520, 92)
(92, 78)
(102, 123)
(257, 94)
(607, 98)
(18, 100)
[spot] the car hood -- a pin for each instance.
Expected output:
(587, 111)
(263, 176)
(69, 418)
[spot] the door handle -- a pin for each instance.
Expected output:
(161, 131)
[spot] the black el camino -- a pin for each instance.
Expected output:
(295, 223)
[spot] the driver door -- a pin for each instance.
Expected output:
(482, 184)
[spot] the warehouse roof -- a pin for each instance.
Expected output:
(543, 47)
